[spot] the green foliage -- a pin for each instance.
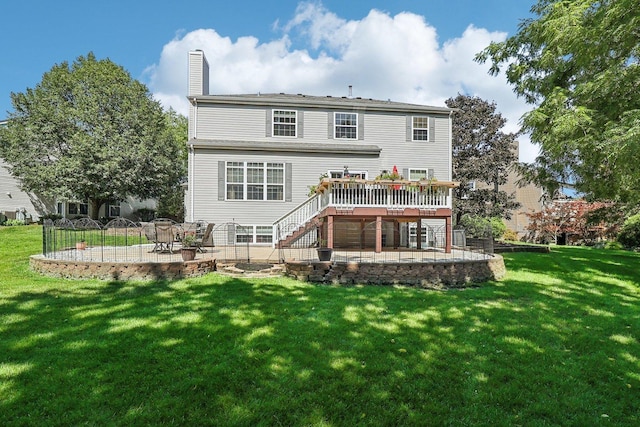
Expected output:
(144, 214)
(482, 154)
(629, 235)
(171, 202)
(578, 64)
(510, 236)
(188, 240)
(13, 222)
(477, 226)
(224, 351)
(613, 245)
(88, 131)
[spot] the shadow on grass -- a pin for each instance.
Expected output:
(554, 343)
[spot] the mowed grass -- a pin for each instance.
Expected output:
(555, 343)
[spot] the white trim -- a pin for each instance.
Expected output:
(414, 128)
(245, 184)
(294, 124)
(336, 125)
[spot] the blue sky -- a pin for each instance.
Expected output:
(404, 50)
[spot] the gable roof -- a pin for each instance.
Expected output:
(319, 102)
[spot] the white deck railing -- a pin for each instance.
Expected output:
(352, 193)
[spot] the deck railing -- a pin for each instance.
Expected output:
(352, 193)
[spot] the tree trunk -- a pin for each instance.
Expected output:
(95, 206)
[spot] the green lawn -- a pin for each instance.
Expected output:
(555, 343)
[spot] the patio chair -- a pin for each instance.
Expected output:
(202, 241)
(165, 235)
(149, 231)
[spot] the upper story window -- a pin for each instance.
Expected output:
(420, 128)
(255, 181)
(284, 123)
(346, 125)
(420, 174)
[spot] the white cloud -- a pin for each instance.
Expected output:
(382, 56)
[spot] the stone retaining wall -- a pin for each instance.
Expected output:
(121, 270)
(433, 275)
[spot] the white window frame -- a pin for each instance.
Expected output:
(275, 122)
(471, 186)
(266, 181)
(422, 129)
(339, 173)
(418, 170)
(251, 234)
(340, 125)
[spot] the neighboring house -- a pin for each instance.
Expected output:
(15, 203)
(18, 204)
(530, 197)
(253, 157)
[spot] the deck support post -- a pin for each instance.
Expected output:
(330, 231)
(378, 234)
(419, 234)
(447, 247)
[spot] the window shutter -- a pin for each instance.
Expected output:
(430, 173)
(405, 173)
(360, 126)
(221, 181)
(409, 128)
(288, 182)
(269, 124)
(330, 122)
(432, 129)
(300, 119)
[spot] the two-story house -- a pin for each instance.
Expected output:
(253, 157)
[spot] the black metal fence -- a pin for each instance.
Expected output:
(122, 240)
(356, 243)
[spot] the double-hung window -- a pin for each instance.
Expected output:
(420, 174)
(346, 125)
(255, 181)
(284, 123)
(420, 128)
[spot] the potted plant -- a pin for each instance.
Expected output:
(81, 245)
(188, 250)
(324, 253)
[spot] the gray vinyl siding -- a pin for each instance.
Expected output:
(304, 170)
(198, 74)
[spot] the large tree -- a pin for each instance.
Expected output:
(89, 132)
(578, 63)
(482, 155)
(171, 203)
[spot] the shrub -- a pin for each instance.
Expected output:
(613, 245)
(14, 222)
(477, 226)
(510, 235)
(629, 235)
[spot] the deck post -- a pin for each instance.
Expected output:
(378, 234)
(330, 231)
(447, 247)
(419, 234)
